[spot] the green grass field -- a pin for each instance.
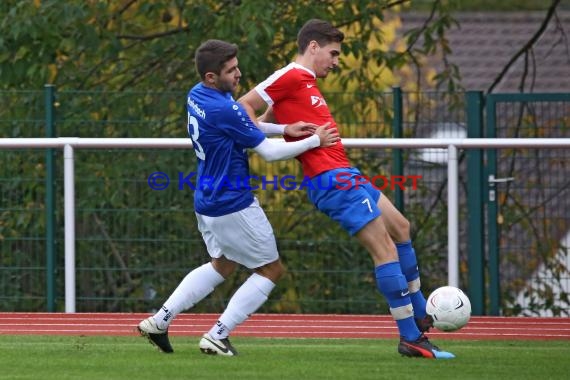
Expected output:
(95, 357)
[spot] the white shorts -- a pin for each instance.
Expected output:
(245, 237)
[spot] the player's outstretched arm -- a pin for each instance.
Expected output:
(271, 150)
(297, 129)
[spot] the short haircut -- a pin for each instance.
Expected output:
(212, 55)
(317, 30)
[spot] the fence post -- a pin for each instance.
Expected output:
(397, 158)
(452, 217)
(492, 209)
(69, 195)
(49, 95)
(475, 222)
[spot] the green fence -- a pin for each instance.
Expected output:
(527, 209)
(133, 244)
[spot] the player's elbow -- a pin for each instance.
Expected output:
(251, 100)
(244, 101)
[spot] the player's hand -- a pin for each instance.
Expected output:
(300, 129)
(328, 136)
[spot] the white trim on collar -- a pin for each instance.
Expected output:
(299, 66)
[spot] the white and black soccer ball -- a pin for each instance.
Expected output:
(449, 307)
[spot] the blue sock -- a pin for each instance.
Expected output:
(409, 266)
(393, 285)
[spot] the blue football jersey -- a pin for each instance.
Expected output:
(221, 131)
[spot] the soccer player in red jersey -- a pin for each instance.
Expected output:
(291, 94)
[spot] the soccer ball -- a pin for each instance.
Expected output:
(449, 307)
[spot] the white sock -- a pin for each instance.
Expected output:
(246, 300)
(192, 289)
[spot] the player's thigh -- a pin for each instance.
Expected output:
(205, 226)
(397, 225)
(377, 241)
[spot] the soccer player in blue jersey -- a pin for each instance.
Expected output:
(233, 225)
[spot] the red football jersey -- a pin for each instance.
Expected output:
(294, 95)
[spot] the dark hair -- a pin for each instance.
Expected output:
(317, 30)
(212, 55)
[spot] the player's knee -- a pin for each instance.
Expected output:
(224, 267)
(273, 271)
(279, 271)
(405, 226)
(401, 232)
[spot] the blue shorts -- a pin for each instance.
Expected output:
(345, 197)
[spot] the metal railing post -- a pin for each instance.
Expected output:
(69, 196)
(452, 217)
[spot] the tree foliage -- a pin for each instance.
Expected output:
(120, 45)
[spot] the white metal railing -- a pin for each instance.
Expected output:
(69, 144)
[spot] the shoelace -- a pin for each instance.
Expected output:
(424, 338)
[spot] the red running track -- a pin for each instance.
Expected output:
(280, 326)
